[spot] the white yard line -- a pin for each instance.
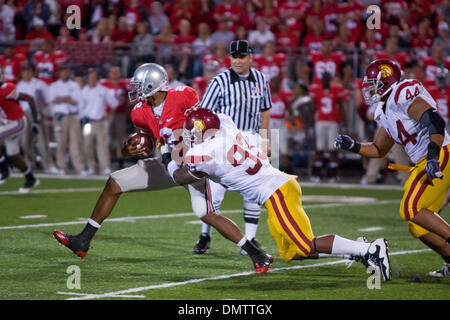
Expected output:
(223, 277)
(183, 214)
(87, 294)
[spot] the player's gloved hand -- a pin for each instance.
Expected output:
(166, 154)
(432, 168)
(345, 142)
(35, 127)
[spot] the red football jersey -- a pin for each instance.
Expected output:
(270, 66)
(11, 67)
(327, 108)
(173, 116)
(48, 64)
(330, 64)
(442, 98)
(431, 66)
(120, 91)
(10, 108)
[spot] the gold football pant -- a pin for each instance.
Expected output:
(421, 194)
(288, 223)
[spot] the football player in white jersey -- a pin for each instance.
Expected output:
(218, 150)
(408, 116)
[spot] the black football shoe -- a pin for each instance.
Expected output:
(29, 184)
(4, 174)
(202, 244)
(74, 243)
(255, 243)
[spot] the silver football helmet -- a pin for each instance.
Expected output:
(148, 79)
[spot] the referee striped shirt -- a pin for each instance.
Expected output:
(242, 100)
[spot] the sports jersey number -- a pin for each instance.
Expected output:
(410, 96)
(403, 136)
(326, 105)
(321, 67)
(244, 155)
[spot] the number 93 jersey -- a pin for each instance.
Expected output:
(399, 125)
(230, 160)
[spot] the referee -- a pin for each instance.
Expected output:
(242, 93)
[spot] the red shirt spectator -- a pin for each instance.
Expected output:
(352, 13)
(11, 63)
(47, 62)
(286, 38)
(270, 63)
(391, 52)
(228, 11)
(38, 31)
(182, 9)
(327, 101)
(292, 11)
(331, 13)
(326, 61)
(432, 63)
(124, 32)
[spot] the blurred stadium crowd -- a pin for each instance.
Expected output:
(295, 44)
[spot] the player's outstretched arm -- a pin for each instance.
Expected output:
(376, 149)
(181, 174)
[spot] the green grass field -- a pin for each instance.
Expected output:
(144, 250)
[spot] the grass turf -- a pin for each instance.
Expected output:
(145, 251)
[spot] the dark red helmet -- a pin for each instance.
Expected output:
(381, 75)
(200, 125)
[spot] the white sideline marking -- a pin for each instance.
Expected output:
(371, 229)
(176, 215)
(34, 216)
(222, 277)
(43, 191)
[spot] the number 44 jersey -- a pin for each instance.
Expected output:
(230, 160)
(393, 116)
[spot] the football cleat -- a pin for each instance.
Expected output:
(3, 176)
(377, 257)
(263, 265)
(444, 272)
(29, 184)
(255, 243)
(72, 242)
(202, 244)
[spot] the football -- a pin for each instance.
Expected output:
(143, 141)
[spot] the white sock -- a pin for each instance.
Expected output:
(206, 228)
(93, 223)
(342, 246)
(250, 230)
(242, 242)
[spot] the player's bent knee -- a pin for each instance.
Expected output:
(416, 230)
(112, 186)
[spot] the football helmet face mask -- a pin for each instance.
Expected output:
(381, 75)
(148, 79)
(201, 124)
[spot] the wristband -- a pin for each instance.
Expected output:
(433, 151)
(355, 147)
